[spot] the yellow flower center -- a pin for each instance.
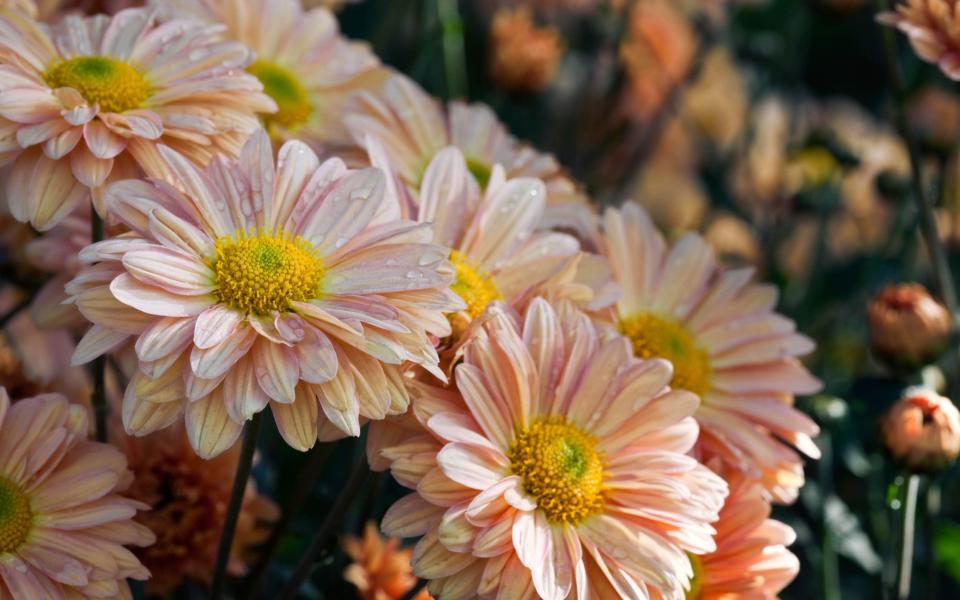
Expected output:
(114, 85)
(477, 289)
(560, 467)
(654, 337)
(292, 100)
(264, 272)
(16, 518)
(696, 584)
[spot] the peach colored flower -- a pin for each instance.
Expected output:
(90, 99)
(523, 57)
(922, 430)
(188, 498)
(63, 525)
(556, 466)
(725, 341)
(381, 568)
(247, 284)
(413, 127)
(931, 26)
(909, 328)
(751, 559)
(305, 65)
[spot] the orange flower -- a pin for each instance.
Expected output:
(908, 326)
(931, 26)
(922, 430)
(523, 57)
(188, 497)
(381, 568)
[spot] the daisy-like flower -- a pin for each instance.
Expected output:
(63, 525)
(726, 343)
(188, 499)
(931, 26)
(751, 559)
(413, 127)
(247, 283)
(90, 99)
(309, 69)
(556, 466)
(381, 568)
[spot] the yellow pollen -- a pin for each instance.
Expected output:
(293, 101)
(696, 584)
(477, 289)
(263, 272)
(654, 337)
(560, 467)
(16, 518)
(114, 85)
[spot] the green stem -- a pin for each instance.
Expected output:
(326, 531)
(454, 64)
(906, 540)
(308, 478)
(244, 465)
(99, 399)
(412, 592)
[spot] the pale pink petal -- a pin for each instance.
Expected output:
(216, 324)
(209, 427)
(277, 369)
(156, 301)
(172, 270)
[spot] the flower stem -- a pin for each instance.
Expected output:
(244, 465)
(906, 540)
(326, 531)
(308, 478)
(412, 592)
(99, 399)
(928, 222)
(454, 65)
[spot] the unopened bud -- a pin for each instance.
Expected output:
(908, 327)
(922, 431)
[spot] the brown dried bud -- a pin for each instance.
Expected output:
(908, 328)
(523, 57)
(934, 118)
(922, 431)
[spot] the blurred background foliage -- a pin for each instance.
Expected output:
(767, 126)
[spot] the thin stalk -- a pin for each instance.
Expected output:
(928, 222)
(244, 465)
(829, 569)
(99, 399)
(412, 592)
(930, 527)
(308, 478)
(326, 531)
(906, 540)
(454, 64)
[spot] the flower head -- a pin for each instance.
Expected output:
(381, 568)
(63, 525)
(726, 344)
(305, 65)
(922, 430)
(545, 469)
(523, 57)
(908, 327)
(90, 99)
(249, 283)
(931, 26)
(188, 499)
(751, 559)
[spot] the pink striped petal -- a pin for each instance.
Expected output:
(215, 325)
(299, 421)
(277, 369)
(156, 301)
(210, 429)
(174, 271)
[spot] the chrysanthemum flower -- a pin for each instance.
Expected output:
(413, 127)
(557, 465)
(931, 26)
(726, 343)
(290, 285)
(90, 99)
(751, 559)
(304, 63)
(381, 569)
(63, 526)
(188, 499)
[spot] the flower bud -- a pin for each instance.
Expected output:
(908, 327)
(922, 431)
(523, 57)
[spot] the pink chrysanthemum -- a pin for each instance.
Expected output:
(246, 284)
(90, 99)
(751, 559)
(556, 466)
(304, 64)
(725, 341)
(63, 527)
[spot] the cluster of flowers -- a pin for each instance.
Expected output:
(580, 409)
